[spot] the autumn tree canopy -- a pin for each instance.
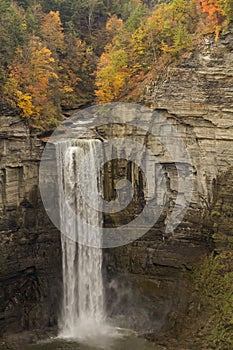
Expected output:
(57, 55)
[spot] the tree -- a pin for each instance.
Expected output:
(112, 74)
(32, 84)
(33, 18)
(114, 25)
(76, 68)
(212, 8)
(227, 9)
(215, 15)
(12, 32)
(124, 8)
(52, 32)
(83, 17)
(136, 17)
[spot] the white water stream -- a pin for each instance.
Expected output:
(83, 314)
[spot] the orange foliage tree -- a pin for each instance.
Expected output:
(212, 8)
(216, 14)
(32, 83)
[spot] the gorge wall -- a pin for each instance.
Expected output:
(149, 279)
(196, 97)
(30, 269)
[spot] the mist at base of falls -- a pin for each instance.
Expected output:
(90, 332)
(120, 340)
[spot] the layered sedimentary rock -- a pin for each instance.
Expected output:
(30, 270)
(147, 281)
(197, 98)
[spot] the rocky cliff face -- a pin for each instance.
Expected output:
(29, 245)
(196, 97)
(148, 280)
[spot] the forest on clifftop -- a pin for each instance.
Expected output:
(58, 55)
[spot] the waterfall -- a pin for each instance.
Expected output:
(81, 228)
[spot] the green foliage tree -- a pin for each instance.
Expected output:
(136, 17)
(33, 18)
(12, 32)
(227, 9)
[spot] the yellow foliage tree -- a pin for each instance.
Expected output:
(52, 31)
(32, 84)
(112, 74)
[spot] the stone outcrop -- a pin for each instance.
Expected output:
(30, 273)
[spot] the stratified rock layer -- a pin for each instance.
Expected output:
(197, 98)
(30, 271)
(148, 280)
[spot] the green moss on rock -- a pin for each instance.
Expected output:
(214, 290)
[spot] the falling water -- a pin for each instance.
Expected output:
(79, 186)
